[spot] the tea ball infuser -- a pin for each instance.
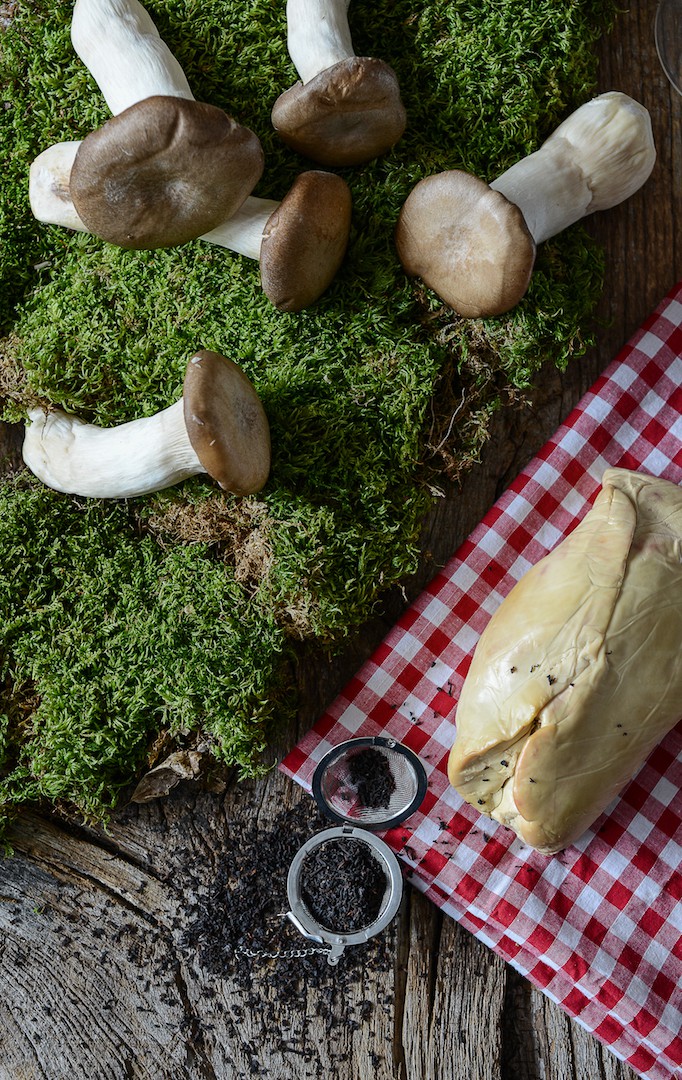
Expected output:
(363, 784)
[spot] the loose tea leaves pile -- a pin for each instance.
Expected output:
(371, 773)
(239, 928)
(343, 885)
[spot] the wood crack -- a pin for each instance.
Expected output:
(111, 847)
(434, 948)
(197, 1055)
(400, 984)
(129, 904)
(89, 866)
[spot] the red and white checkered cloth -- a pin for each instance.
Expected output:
(598, 927)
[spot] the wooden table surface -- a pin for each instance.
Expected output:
(96, 977)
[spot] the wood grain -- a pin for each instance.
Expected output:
(96, 980)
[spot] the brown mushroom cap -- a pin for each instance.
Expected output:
(348, 114)
(163, 172)
(305, 240)
(226, 423)
(467, 242)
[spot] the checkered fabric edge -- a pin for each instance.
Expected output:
(598, 928)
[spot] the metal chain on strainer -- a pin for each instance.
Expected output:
(284, 954)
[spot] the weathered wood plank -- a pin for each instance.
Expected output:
(88, 970)
(467, 1006)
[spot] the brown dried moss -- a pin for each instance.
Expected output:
(239, 531)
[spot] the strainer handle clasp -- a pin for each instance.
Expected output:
(336, 948)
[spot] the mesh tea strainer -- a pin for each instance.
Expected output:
(345, 885)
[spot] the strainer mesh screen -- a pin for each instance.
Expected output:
(370, 785)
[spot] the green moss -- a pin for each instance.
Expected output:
(120, 638)
(121, 621)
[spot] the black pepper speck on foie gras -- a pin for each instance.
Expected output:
(578, 674)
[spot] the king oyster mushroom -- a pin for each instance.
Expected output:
(299, 241)
(217, 427)
(346, 109)
(578, 674)
(165, 168)
(474, 243)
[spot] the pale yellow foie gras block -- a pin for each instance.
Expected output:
(578, 675)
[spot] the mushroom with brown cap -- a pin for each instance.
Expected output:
(299, 242)
(346, 109)
(474, 243)
(218, 427)
(165, 168)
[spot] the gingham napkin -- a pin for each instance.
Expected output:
(598, 927)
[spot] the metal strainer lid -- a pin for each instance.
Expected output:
(372, 783)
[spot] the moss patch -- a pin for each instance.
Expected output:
(177, 610)
(123, 638)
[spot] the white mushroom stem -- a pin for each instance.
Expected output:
(136, 458)
(318, 35)
(597, 158)
(121, 47)
(48, 188)
(243, 232)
